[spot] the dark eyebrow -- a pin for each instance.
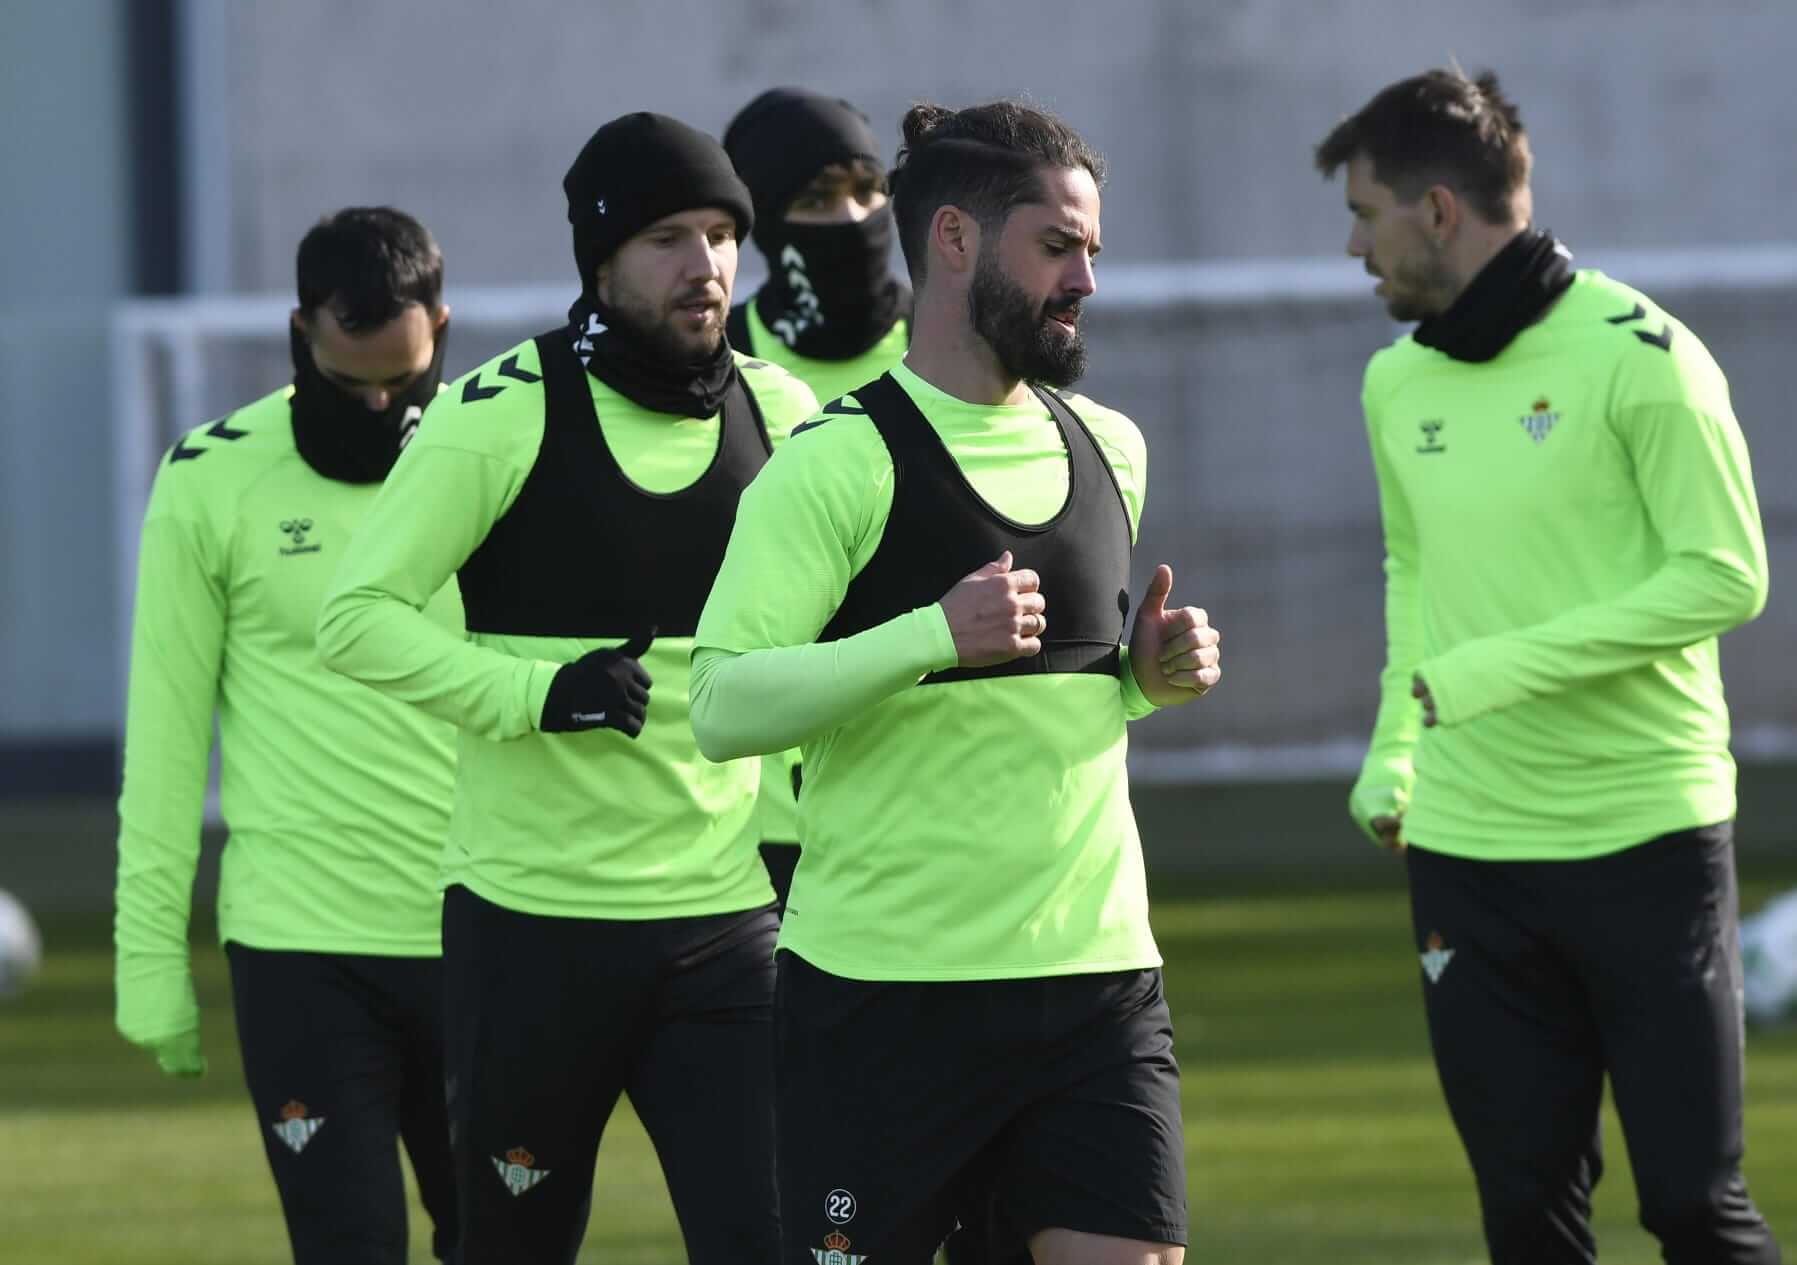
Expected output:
(1072, 237)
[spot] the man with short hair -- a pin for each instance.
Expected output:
(831, 313)
(608, 927)
(927, 590)
(1570, 522)
(337, 799)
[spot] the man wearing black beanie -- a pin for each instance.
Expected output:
(831, 313)
(607, 928)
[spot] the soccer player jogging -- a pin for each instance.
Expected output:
(831, 313)
(337, 798)
(608, 927)
(927, 589)
(1570, 522)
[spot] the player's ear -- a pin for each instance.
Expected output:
(300, 323)
(1441, 213)
(954, 238)
(440, 320)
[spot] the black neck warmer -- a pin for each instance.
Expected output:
(631, 366)
(1509, 294)
(830, 293)
(340, 437)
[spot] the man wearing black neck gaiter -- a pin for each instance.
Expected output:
(608, 927)
(831, 312)
(1570, 523)
(337, 798)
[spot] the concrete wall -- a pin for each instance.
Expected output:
(1653, 127)
(65, 256)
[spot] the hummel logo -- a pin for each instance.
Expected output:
(1662, 340)
(599, 206)
(806, 307)
(590, 718)
(408, 425)
(475, 390)
(1432, 436)
(296, 529)
(583, 345)
(221, 429)
(1436, 958)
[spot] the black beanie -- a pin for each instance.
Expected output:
(785, 136)
(637, 169)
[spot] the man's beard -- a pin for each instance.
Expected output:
(1419, 290)
(651, 327)
(1019, 329)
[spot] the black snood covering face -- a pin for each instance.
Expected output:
(830, 293)
(342, 438)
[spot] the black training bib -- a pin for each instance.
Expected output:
(940, 529)
(583, 551)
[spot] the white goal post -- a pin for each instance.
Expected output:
(1244, 377)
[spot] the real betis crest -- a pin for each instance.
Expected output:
(516, 1172)
(1539, 420)
(295, 1128)
(835, 1251)
(1436, 957)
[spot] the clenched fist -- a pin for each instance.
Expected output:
(996, 614)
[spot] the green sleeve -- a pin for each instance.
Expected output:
(1135, 703)
(785, 401)
(1692, 471)
(177, 648)
(1387, 774)
(788, 695)
(432, 513)
(764, 701)
(810, 520)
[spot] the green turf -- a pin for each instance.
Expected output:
(1314, 1127)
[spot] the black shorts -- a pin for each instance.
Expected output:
(1014, 1105)
(549, 1020)
(781, 859)
(343, 1053)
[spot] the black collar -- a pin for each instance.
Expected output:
(1510, 293)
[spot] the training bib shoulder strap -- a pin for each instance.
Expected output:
(940, 529)
(585, 552)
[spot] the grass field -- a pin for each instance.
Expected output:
(1315, 1130)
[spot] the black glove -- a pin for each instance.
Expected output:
(606, 689)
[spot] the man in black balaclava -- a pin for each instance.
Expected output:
(607, 926)
(337, 798)
(831, 312)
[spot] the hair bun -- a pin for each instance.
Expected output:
(921, 120)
